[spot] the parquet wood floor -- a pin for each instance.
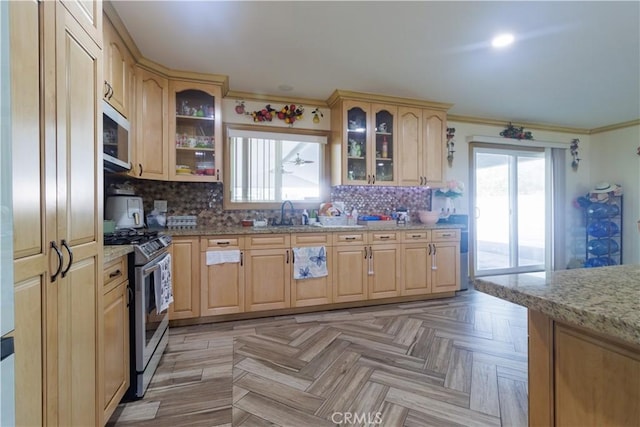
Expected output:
(450, 362)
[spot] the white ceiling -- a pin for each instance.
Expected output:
(574, 64)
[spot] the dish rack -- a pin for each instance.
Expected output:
(182, 221)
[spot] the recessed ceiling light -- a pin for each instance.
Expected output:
(502, 40)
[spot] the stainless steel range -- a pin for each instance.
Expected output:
(149, 325)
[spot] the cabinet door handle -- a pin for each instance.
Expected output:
(106, 91)
(129, 295)
(293, 257)
(384, 237)
(366, 254)
(446, 234)
(115, 274)
(287, 256)
(368, 179)
(218, 174)
(370, 252)
(64, 245)
(241, 259)
(429, 248)
(349, 238)
(373, 179)
(140, 165)
(222, 243)
(415, 236)
(55, 248)
(434, 262)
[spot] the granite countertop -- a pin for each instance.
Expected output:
(603, 299)
(113, 252)
(223, 230)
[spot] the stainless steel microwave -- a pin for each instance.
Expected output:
(115, 140)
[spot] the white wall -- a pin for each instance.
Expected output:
(613, 158)
(231, 116)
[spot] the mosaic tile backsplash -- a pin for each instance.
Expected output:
(204, 200)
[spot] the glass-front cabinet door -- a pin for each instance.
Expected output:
(195, 153)
(370, 147)
(357, 147)
(385, 145)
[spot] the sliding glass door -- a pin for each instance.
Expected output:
(510, 221)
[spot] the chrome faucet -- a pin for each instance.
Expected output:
(291, 213)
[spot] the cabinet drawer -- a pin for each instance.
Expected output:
(416, 236)
(309, 239)
(220, 242)
(452, 235)
(116, 271)
(267, 241)
(341, 239)
(383, 236)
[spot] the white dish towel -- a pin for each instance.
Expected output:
(221, 257)
(163, 285)
(310, 262)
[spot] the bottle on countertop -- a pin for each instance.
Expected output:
(305, 217)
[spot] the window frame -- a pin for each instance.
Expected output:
(325, 189)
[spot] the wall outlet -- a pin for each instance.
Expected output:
(160, 205)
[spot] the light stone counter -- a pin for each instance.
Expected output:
(113, 252)
(205, 231)
(603, 299)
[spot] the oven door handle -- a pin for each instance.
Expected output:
(149, 270)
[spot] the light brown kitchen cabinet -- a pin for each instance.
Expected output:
(431, 261)
(268, 262)
(150, 150)
(384, 264)
(195, 131)
(350, 266)
(89, 15)
(118, 66)
(445, 260)
(416, 276)
(421, 141)
(185, 277)
(31, 252)
(57, 186)
(366, 142)
(116, 334)
(222, 285)
(312, 291)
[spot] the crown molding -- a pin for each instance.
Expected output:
(616, 126)
(340, 94)
(528, 125)
(217, 79)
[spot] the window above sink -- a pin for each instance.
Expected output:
(266, 166)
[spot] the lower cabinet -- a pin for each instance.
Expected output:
(116, 334)
(384, 271)
(222, 284)
(268, 279)
(185, 266)
(350, 266)
(431, 262)
(445, 261)
(317, 290)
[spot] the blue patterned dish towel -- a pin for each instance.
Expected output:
(310, 262)
(163, 285)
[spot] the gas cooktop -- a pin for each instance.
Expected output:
(129, 236)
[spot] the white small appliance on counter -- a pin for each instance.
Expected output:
(125, 210)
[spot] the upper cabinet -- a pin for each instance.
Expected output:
(150, 150)
(118, 69)
(380, 140)
(368, 146)
(421, 138)
(195, 131)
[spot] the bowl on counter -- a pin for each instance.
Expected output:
(428, 217)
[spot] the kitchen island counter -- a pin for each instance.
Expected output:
(603, 299)
(584, 343)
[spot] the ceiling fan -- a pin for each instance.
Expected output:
(283, 171)
(299, 161)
